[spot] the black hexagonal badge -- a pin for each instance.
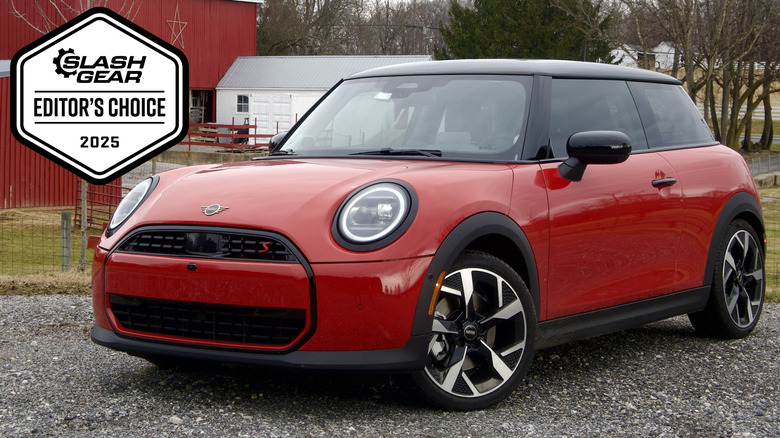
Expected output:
(99, 95)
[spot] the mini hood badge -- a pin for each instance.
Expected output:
(210, 210)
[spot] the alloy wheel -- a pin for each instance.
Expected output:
(743, 278)
(479, 333)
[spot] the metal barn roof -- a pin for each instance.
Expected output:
(302, 72)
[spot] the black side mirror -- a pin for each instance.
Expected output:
(276, 140)
(593, 147)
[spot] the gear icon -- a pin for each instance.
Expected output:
(58, 62)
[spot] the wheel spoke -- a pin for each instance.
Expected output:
(455, 369)
(444, 326)
(732, 297)
(748, 305)
(470, 384)
(756, 275)
(451, 291)
(468, 291)
(729, 267)
(507, 312)
(494, 360)
(513, 348)
(499, 288)
(745, 247)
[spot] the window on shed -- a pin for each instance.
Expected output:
(242, 103)
(645, 60)
(592, 105)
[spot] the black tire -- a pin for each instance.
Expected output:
(737, 295)
(483, 335)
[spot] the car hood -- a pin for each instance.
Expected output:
(299, 198)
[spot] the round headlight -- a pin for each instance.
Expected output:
(374, 214)
(130, 203)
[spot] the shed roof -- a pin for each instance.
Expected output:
(5, 68)
(302, 72)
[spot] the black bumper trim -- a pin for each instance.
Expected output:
(410, 357)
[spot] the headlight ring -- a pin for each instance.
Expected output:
(374, 215)
(130, 203)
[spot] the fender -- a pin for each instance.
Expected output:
(741, 204)
(459, 239)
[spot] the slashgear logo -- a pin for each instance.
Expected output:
(99, 95)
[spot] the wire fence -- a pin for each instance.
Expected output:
(764, 165)
(47, 240)
(32, 241)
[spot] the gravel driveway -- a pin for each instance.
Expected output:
(657, 380)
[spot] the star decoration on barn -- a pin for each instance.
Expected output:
(177, 28)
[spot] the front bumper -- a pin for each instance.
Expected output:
(409, 357)
(357, 315)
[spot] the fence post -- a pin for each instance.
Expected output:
(154, 166)
(84, 219)
(65, 246)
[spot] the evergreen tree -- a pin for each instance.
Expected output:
(523, 29)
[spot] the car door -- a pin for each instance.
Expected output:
(614, 235)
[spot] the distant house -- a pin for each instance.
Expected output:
(660, 57)
(273, 92)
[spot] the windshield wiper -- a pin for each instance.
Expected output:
(283, 152)
(391, 151)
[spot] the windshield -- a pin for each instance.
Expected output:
(471, 117)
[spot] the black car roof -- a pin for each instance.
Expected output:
(554, 68)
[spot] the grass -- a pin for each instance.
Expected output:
(758, 126)
(30, 254)
(770, 199)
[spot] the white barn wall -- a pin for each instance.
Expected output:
(226, 106)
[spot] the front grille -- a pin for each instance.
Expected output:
(214, 244)
(213, 322)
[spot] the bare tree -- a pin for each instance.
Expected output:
(307, 27)
(349, 27)
(44, 16)
(728, 56)
(397, 28)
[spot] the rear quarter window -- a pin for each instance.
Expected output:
(669, 116)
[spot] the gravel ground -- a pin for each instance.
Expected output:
(656, 380)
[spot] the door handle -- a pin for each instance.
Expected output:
(665, 182)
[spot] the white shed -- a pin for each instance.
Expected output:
(660, 57)
(274, 91)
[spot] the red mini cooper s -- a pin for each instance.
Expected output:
(442, 220)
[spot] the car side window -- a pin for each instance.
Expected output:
(670, 117)
(592, 105)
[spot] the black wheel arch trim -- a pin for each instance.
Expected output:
(468, 231)
(743, 205)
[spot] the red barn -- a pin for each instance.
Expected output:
(211, 33)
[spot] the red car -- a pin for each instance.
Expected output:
(444, 220)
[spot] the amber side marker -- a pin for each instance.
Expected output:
(436, 292)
